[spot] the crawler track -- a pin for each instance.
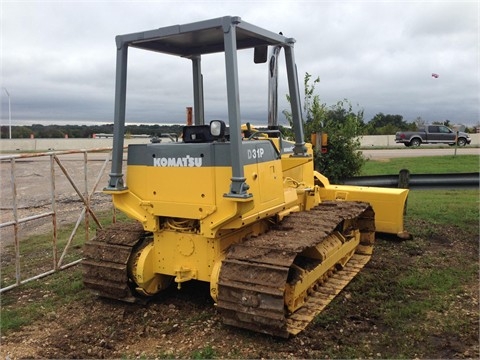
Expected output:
(256, 273)
(105, 264)
(275, 283)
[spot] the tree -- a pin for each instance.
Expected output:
(342, 125)
(21, 132)
(446, 123)
(388, 124)
(419, 123)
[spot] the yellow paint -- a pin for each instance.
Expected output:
(193, 222)
(144, 272)
(387, 203)
(332, 251)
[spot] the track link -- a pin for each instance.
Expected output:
(106, 260)
(255, 273)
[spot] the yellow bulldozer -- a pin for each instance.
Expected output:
(239, 208)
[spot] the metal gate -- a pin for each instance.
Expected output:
(45, 199)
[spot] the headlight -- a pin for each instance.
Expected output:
(217, 128)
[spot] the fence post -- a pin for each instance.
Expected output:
(403, 178)
(403, 183)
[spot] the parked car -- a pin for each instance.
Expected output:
(433, 134)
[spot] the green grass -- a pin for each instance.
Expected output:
(40, 298)
(459, 207)
(36, 252)
(205, 353)
(423, 165)
(14, 319)
(436, 281)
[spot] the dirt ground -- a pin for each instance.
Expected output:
(185, 324)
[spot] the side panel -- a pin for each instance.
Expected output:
(191, 180)
(175, 180)
(174, 192)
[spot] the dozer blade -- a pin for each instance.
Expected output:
(389, 204)
(278, 282)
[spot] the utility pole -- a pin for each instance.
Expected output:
(9, 114)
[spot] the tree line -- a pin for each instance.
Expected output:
(380, 124)
(83, 131)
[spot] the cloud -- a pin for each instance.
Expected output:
(58, 58)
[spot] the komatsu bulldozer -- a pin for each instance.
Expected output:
(239, 208)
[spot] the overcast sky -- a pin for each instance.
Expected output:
(58, 59)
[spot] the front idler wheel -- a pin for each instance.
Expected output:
(145, 281)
